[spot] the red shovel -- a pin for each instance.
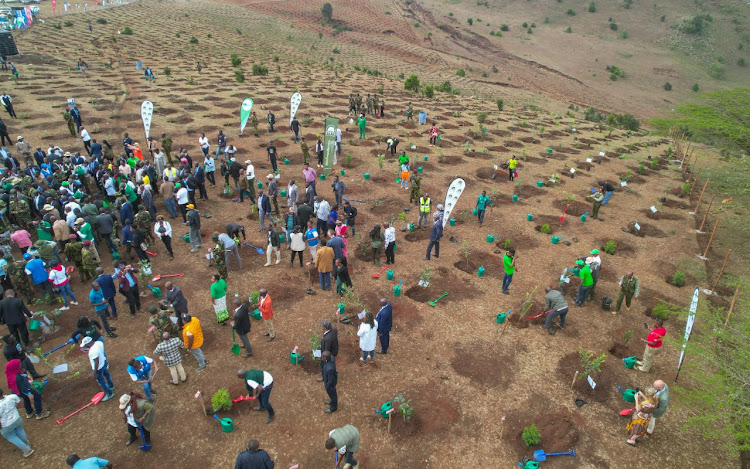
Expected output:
(153, 254)
(94, 400)
(562, 218)
(626, 412)
(158, 277)
(243, 398)
(381, 271)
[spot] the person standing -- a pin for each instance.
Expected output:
(7, 102)
(177, 300)
(183, 200)
(339, 189)
(512, 163)
(597, 197)
(376, 243)
(292, 195)
(330, 379)
(350, 217)
(596, 270)
(271, 121)
(194, 223)
(630, 287)
(653, 345)
(86, 137)
(295, 126)
(128, 284)
(107, 285)
(253, 457)
(322, 213)
(311, 235)
(319, 152)
(662, 394)
(192, 335)
(264, 210)
(587, 280)
(11, 424)
(481, 206)
(98, 360)
(18, 383)
(169, 349)
(139, 369)
(338, 144)
(254, 123)
(424, 210)
(368, 335)
(509, 264)
(362, 124)
(93, 462)
(389, 237)
(219, 299)
(97, 299)
(384, 320)
(139, 415)
(608, 190)
(435, 234)
(273, 192)
(297, 245)
(265, 307)
(14, 313)
(241, 324)
(555, 303)
(345, 440)
(259, 385)
(60, 280)
(343, 280)
(433, 134)
(163, 230)
(203, 142)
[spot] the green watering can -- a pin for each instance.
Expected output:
(480, 272)
(367, 175)
(629, 395)
(256, 314)
(629, 362)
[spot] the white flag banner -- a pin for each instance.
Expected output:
(147, 110)
(296, 99)
(688, 327)
(451, 198)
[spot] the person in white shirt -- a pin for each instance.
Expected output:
(390, 242)
(183, 198)
(86, 140)
(203, 142)
(11, 424)
(124, 169)
(368, 335)
(338, 145)
(230, 151)
(98, 360)
(250, 176)
(163, 230)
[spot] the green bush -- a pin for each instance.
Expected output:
(529, 31)
(610, 247)
(68, 24)
(570, 12)
(101, 21)
(470, 21)
(125, 30)
(412, 83)
(531, 435)
(461, 72)
(545, 228)
(500, 103)
(569, 30)
(667, 86)
(663, 18)
(236, 60)
(592, 7)
(221, 400)
(260, 70)
(193, 40)
(654, 163)
(57, 26)
(695, 25)
(717, 71)
(444, 87)
(696, 88)
(613, 26)
(327, 12)
(167, 71)
(428, 91)
(678, 279)
(641, 169)
(741, 62)
(504, 27)
(525, 24)
(275, 58)
(239, 75)
(663, 310)
(624, 34)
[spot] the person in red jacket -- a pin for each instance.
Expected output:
(266, 312)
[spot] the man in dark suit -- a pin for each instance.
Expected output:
(200, 179)
(264, 210)
(253, 458)
(385, 323)
(330, 379)
(96, 150)
(178, 301)
(435, 234)
(108, 288)
(14, 312)
(241, 324)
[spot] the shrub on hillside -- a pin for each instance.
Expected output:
(236, 60)
(570, 12)
(101, 20)
(667, 86)
(412, 83)
(239, 75)
(125, 30)
(500, 103)
(592, 7)
(260, 70)
(461, 72)
(444, 87)
(428, 91)
(327, 11)
(504, 27)
(193, 40)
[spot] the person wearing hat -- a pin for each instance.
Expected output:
(596, 270)
(85, 231)
(138, 414)
(194, 223)
(98, 360)
(305, 151)
(160, 318)
(440, 211)
(587, 281)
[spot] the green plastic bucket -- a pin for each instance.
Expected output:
(286, 161)
(515, 198)
(474, 212)
(367, 175)
(186, 238)
(490, 238)
(629, 362)
(260, 185)
(282, 192)
(480, 272)
(411, 226)
(342, 308)
(33, 325)
(549, 150)
(555, 240)
(530, 216)
(500, 318)
(227, 426)
(452, 222)
(322, 177)
(425, 157)
(156, 291)
(583, 217)
(343, 172)
(385, 408)
(389, 274)
(540, 184)
(419, 169)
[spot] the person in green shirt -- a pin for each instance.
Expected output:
(362, 123)
(482, 202)
(44, 231)
(509, 263)
(132, 161)
(129, 193)
(219, 298)
(512, 163)
(586, 281)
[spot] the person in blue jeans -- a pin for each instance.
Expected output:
(435, 234)
(98, 360)
(12, 424)
(509, 264)
(221, 141)
(608, 189)
(259, 385)
(139, 369)
(18, 383)
(59, 278)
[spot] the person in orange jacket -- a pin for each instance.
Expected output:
(266, 311)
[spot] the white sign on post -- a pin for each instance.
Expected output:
(572, 170)
(589, 160)
(147, 110)
(624, 183)
(653, 209)
(591, 382)
(601, 153)
(637, 226)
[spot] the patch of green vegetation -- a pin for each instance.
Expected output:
(531, 435)
(239, 75)
(461, 72)
(126, 30)
(570, 12)
(261, 70)
(667, 86)
(193, 40)
(610, 247)
(412, 83)
(695, 25)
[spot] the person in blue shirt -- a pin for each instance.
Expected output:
(37, 271)
(76, 462)
(96, 298)
(384, 321)
(108, 289)
(139, 369)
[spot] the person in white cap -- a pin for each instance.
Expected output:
(139, 414)
(98, 359)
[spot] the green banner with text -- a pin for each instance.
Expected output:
(329, 143)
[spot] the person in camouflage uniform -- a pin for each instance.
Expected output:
(60, 176)
(305, 151)
(17, 274)
(160, 319)
(20, 211)
(73, 253)
(415, 191)
(89, 260)
(254, 122)
(166, 145)
(219, 259)
(358, 102)
(118, 252)
(142, 221)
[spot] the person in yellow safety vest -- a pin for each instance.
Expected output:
(424, 210)
(512, 167)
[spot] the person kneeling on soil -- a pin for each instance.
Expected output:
(555, 303)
